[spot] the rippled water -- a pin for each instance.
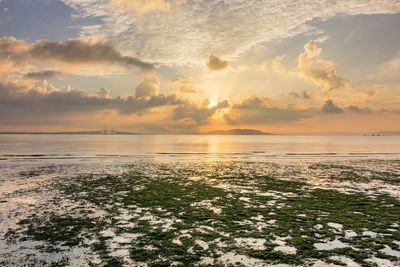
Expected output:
(226, 147)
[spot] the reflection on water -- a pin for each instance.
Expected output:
(210, 145)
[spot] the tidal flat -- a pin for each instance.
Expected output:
(146, 212)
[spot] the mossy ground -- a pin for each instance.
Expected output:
(161, 214)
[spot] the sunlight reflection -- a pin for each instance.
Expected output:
(213, 146)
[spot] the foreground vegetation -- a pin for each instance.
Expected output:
(209, 215)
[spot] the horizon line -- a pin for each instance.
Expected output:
(223, 132)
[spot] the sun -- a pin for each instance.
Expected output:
(212, 103)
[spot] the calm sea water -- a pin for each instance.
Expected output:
(261, 147)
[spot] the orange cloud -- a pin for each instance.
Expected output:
(319, 70)
(185, 85)
(146, 6)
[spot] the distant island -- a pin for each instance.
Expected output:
(238, 132)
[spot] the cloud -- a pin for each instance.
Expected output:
(102, 93)
(79, 51)
(275, 64)
(216, 64)
(40, 102)
(330, 107)
(11, 47)
(43, 75)
(12, 57)
(17, 55)
(253, 102)
(255, 110)
(149, 85)
(367, 93)
(185, 85)
(145, 6)
(190, 31)
(302, 95)
(48, 101)
(198, 113)
(357, 109)
(393, 64)
(131, 105)
(319, 70)
(389, 70)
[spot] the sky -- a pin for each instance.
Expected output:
(194, 66)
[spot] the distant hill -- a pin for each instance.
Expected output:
(239, 132)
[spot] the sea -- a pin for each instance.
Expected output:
(226, 147)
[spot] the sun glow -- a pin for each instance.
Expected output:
(212, 103)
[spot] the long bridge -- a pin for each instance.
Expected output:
(73, 133)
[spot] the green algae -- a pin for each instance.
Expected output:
(294, 205)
